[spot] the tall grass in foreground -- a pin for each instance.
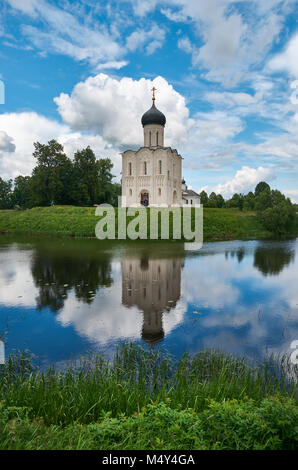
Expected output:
(85, 391)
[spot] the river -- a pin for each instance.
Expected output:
(60, 298)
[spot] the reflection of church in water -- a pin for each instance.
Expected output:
(153, 286)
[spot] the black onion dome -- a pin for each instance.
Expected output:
(153, 116)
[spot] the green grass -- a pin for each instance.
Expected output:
(219, 224)
(145, 400)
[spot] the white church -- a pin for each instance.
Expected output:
(152, 175)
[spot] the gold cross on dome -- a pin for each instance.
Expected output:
(153, 90)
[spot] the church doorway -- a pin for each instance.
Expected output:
(144, 198)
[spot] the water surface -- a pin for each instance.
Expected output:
(62, 298)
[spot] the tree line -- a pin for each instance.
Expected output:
(274, 210)
(58, 180)
(262, 198)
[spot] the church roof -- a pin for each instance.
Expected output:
(190, 192)
(153, 116)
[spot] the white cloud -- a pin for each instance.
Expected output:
(154, 36)
(287, 60)
(6, 143)
(28, 7)
(232, 36)
(63, 33)
(87, 39)
(26, 128)
(142, 7)
(229, 99)
(245, 180)
(292, 194)
(185, 45)
(112, 65)
(113, 108)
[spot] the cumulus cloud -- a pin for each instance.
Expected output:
(113, 108)
(105, 113)
(245, 180)
(26, 128)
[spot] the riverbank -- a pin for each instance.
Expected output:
(144, 400)
(70, 221)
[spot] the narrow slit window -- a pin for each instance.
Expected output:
(129, 169)
(160, 167)
(145, 168)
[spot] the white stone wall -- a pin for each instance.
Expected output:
(143, 172)
(153, 135)
(192, 200)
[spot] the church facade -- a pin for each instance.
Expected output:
(152, 175)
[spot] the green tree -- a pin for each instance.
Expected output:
(264, 200)
(85, 184)
(262, 186)
(249, 202)
(212, 201)
(204, 197)
(6, 200)
(22, 193)
(116, 192)
(236, 201)
(279, 218)
(220, 202)
(105, 185)
(53, 175)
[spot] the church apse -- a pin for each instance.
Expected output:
(154, 287)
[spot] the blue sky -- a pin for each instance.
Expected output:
(226, 75)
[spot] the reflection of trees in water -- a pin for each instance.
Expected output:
(56, 275)
(240, 253)
(272, 260)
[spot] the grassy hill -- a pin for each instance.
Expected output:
(219, 224)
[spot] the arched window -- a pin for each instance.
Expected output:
(168, 174)
(145, 168)
(191, 201)
(160, 166)
(150, 139)
(157, 138)
(129, 169)
(130, 192)
(159, 191)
